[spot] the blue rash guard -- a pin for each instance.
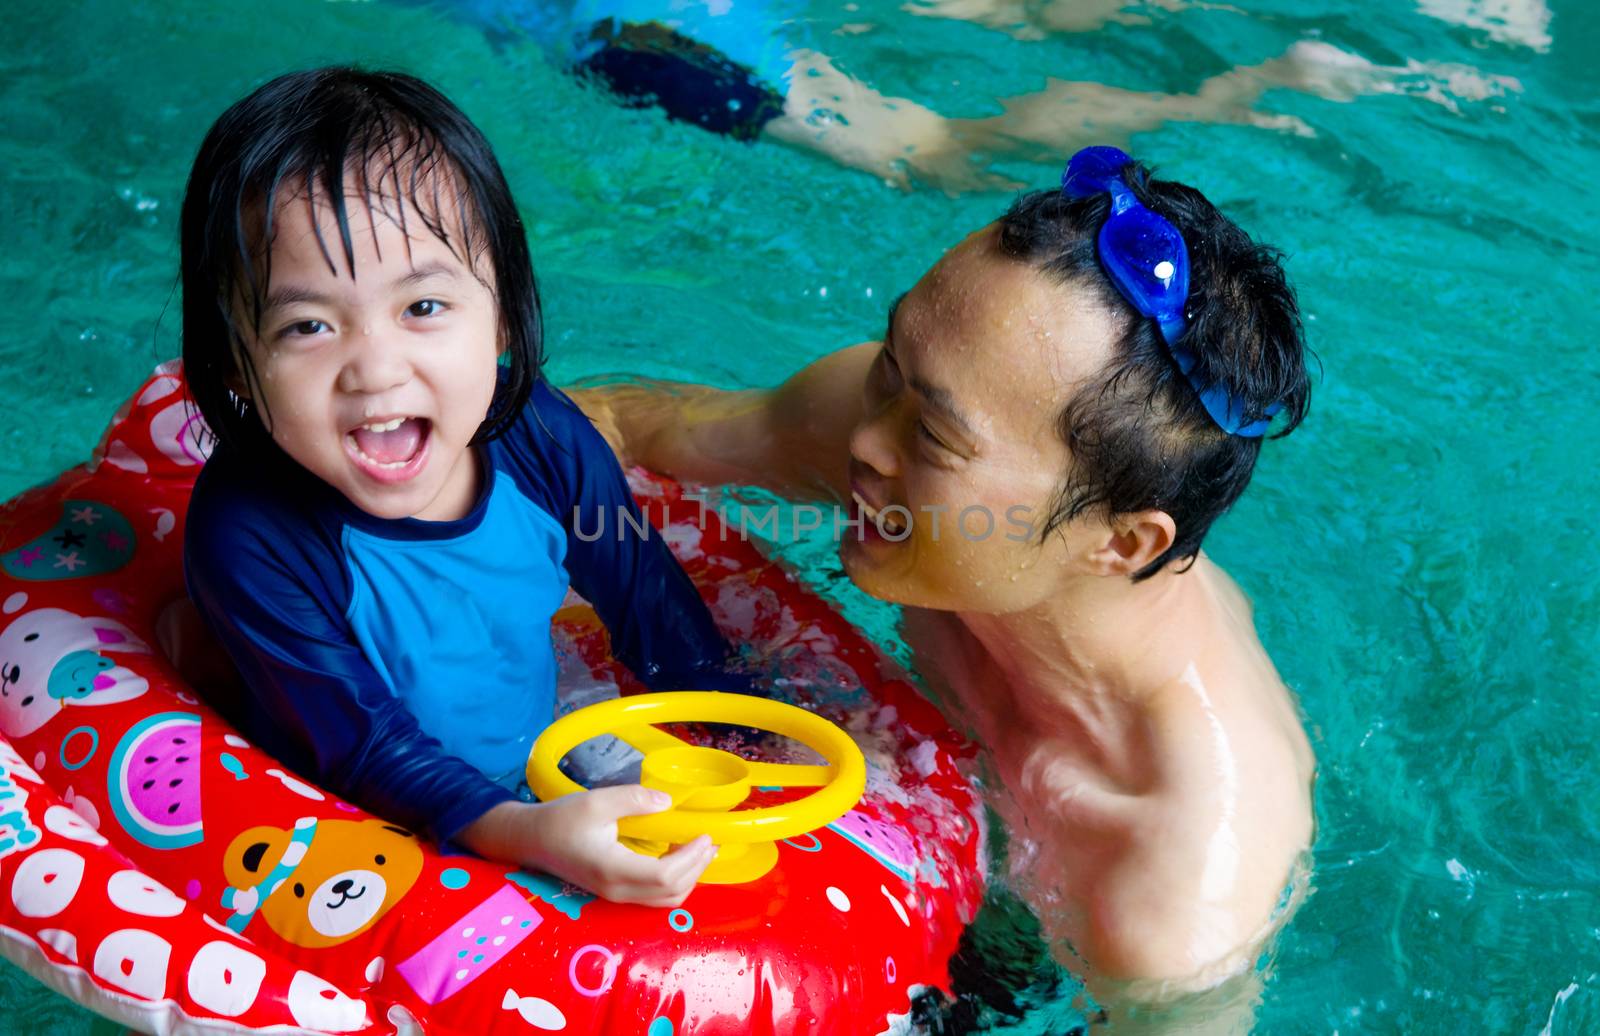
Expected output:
(408, 664)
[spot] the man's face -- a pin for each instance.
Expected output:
(961, 414)
(375, 378)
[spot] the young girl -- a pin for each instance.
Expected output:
(389, 521)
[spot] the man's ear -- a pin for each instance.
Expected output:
(1134, 541)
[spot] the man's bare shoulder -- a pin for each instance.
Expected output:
(1229, 820)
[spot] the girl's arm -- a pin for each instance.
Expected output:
(659, 625)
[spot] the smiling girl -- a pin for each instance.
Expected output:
(389, 521)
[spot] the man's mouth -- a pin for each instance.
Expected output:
(390, 449)
(890, 525)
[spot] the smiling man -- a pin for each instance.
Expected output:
(1090, 379)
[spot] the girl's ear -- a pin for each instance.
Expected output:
(235, 380)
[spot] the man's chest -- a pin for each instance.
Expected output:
(1054, 773)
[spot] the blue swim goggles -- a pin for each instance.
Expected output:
(1145, 257)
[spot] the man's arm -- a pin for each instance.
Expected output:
(793, 439)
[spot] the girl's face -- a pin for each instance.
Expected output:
(376, 377)
(960, 416)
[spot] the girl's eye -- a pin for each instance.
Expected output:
(424, 308)
(928, 434)
(303, 328)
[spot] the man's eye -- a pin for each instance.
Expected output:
(424, 308)
(928, 433)
(889, 373)
(877, 377)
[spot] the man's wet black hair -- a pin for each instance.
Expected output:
(1139, 437)
(386, 137)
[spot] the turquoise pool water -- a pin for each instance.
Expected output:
(1419, 551)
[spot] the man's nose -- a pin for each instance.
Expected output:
(875, 441)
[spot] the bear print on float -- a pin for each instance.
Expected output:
(322, 882)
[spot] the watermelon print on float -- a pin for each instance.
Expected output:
(153, 780)
(256, 900)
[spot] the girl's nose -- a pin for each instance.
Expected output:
(373, 367)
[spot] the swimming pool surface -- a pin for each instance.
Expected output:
(1420, 552)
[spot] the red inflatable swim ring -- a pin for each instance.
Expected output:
(158, 869)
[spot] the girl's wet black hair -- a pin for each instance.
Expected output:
(1139, 436)
(392, 140)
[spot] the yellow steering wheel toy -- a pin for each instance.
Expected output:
(708, 784)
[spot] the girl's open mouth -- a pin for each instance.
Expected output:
(391, 449)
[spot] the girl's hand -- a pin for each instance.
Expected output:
(575, 839)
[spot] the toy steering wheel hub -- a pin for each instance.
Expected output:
(702, 779)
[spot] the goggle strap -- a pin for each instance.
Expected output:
(1228, 412)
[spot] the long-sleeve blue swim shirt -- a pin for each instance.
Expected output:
(408, 664)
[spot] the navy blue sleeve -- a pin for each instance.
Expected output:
(273, 588)
(659, 626)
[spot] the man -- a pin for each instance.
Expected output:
(1057, 413)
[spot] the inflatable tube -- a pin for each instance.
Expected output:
(159, 870)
